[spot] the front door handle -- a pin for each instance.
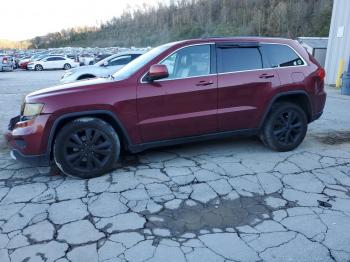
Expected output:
(266, 76)
(204, 83)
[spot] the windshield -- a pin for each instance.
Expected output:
(139, 62)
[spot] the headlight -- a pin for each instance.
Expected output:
(32, 109)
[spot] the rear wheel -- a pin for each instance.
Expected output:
(285, 127)
(67, 66)
(86, 147)
(39, 68)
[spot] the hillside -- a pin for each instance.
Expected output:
(199, 18)
(8, 44)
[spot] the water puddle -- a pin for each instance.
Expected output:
(218, 214)
(334, 138)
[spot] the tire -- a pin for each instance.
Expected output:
(86, 147)
(285, 127)
(67, 66)
(39, 68)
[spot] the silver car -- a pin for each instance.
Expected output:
(7, 63)
(103, 68)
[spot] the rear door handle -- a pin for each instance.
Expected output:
(266, 76)
(204, 83)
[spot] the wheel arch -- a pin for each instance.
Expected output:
(299, 97)
(85, 75)
(105, 115)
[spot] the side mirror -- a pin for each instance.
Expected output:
(157, 72)
(105, 63)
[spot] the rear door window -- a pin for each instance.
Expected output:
(235, 59)
(281, 55)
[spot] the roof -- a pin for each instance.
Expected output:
(314, 42)
(234, 39)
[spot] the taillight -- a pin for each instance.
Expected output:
(321, 73)
(4, 60)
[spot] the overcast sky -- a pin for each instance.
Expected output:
(24, 19)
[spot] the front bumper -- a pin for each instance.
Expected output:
(27, 140)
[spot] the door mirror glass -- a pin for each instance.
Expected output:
(157, 72)
(105, 63)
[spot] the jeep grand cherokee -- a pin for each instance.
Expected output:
(178, 92)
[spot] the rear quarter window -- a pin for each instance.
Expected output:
(281, 55)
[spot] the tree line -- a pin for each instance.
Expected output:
(8, 44)
(183, 19)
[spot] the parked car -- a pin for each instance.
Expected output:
(176, 93)
(73, 57)
(104, 68)
(86, 59)
(100, 57)
(52, 62)
(6, 63)
(35, 57)
(24, 62)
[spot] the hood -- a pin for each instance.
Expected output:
(69, 86)
(84, 68)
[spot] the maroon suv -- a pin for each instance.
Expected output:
(176, 93)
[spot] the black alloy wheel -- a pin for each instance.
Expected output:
(86, 147)
(288, 127)
(285, 127)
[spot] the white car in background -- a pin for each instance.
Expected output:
(52, 62)
(86, 59)
(103, 68)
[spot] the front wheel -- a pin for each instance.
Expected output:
(67, 66)
(285, 127)
(86, 147)
(39, 68)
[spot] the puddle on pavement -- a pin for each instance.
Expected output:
(217, 214)
(334, 138)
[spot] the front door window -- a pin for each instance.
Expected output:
(187, 62)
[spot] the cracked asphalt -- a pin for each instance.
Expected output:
(223, 200)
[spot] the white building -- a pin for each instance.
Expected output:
(339, 40)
